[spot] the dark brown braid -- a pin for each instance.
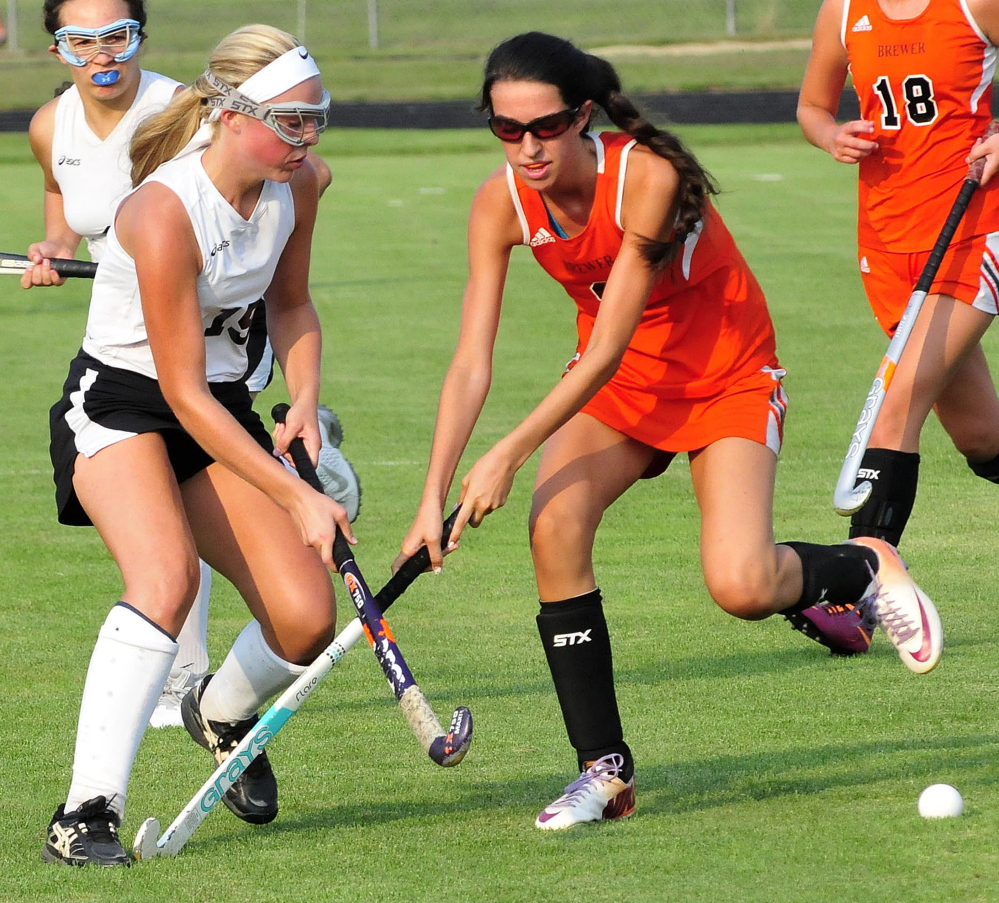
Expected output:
(539, 57)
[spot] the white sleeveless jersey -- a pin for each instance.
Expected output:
(238, 256)
(94, 175)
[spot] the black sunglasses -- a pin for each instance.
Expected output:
(550, 126)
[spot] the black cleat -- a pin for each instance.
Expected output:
(253, 797)
(87, 836)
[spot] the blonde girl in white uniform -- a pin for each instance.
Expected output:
(155, 440)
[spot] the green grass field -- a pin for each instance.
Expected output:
(766, 770)
(436, 50)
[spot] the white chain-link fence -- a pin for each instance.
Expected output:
(343, 26)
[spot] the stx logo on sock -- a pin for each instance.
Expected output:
(572, 639)
(866, 473)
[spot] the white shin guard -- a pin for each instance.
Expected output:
(250, 675)
(130, 662)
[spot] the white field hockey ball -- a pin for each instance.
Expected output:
(940, 801)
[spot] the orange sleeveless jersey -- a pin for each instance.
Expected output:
(706, 325)
(926, 84)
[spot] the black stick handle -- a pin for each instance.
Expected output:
(84, 269)
(64, 266)
(303, 463)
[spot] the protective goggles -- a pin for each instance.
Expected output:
(119, 40)
(550, 126)
(297, 123)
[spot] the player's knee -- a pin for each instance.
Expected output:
(743, 592)
(314, 639)
(978, 444)
(164, 586)
(163, 590)
(307, 625)
(556, 534)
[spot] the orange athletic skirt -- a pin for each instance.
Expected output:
(751, 408)
(969, 273)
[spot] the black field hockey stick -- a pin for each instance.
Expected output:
(446, 748)
(16, 264)
(850, 496)
(148, 843)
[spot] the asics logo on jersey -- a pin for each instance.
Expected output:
(219, 247)
(867, 473)
(572, 639)
(862, 24)
(69, 161)
(542, 237)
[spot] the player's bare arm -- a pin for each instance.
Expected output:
(493, 230)
(821, 88)
(60, 240)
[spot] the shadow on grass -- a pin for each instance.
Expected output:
(681, 787)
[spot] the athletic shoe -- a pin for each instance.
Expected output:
(86, 836)
(253, 797)
(598, 794)
(335, 472)
(178, 685)
(842, 629)
(903, 610)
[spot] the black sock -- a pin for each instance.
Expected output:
(577, 645)
(987, 470)
(893, 476)
(838, 574)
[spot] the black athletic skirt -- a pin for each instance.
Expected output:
(102, 405)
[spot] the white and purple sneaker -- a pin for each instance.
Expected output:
(598, 794)
(903, 610)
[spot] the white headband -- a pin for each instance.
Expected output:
(280, 75)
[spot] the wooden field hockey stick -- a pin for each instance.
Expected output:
(849, 496)
(446, 748)
(16, 264)
(148, 844)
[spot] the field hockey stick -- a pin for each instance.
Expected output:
(849, 496)
(16, 264)
(445, 748)
(148, 843)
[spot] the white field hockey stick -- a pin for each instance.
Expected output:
(16, 264)
(850, 496)
(445, 748)
(148, 844)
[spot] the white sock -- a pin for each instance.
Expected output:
(192, 654)
(250, 675)
(130, 662)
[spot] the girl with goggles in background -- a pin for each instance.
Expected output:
(120, 40)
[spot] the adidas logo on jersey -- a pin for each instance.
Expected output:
(862, 24)
(542, 237)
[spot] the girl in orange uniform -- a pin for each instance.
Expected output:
(923, 72)
(676, 353)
